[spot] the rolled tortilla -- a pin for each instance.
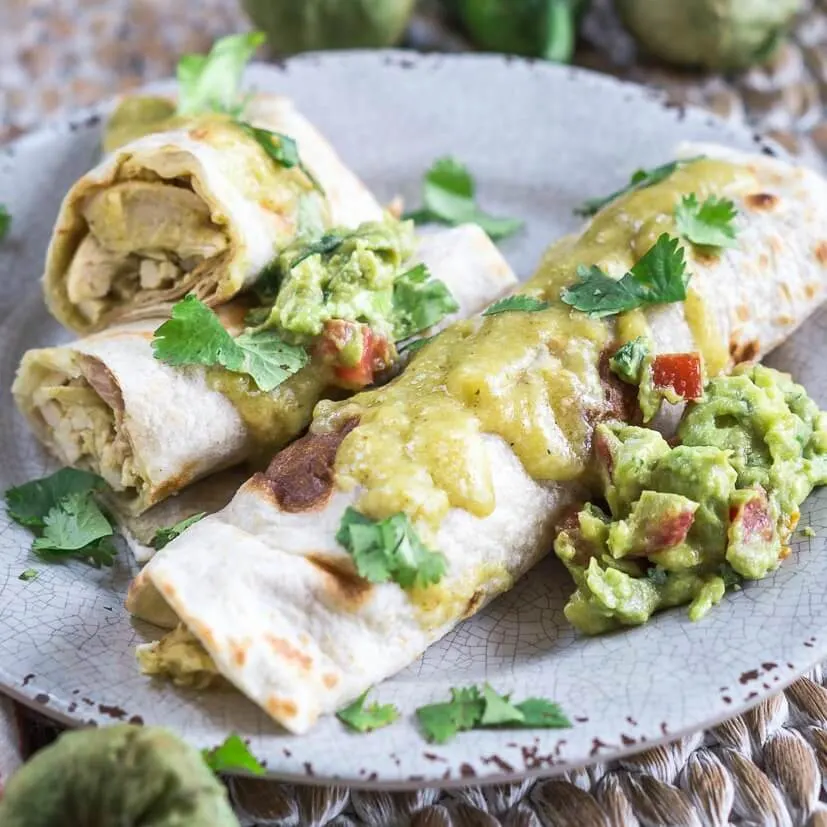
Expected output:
(106, 404)
(267, 593)
(197, 208)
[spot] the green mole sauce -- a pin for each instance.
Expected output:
(530, 378)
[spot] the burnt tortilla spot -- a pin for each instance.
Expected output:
(761, 200)
(300, 478)
(745, 352)
(343, 587)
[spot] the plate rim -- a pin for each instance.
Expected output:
(90, 116)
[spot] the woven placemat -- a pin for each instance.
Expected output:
(765, 768)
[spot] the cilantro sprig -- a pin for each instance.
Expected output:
(659, 277)
(470, 708)
(707, 224)
(641, 179)
(389, 550)
(363, 718)
(449, 197)
(419, 302)
(525, 304)
(195, 336)
(232, 754)
(210, 83)
(164, 536)
(61, 510)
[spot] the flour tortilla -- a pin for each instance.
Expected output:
(266, 590)
(198, 208)
(151, 430)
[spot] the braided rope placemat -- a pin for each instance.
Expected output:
(765, 768)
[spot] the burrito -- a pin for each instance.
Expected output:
(108, 405)
(405, 509)
(197, 205)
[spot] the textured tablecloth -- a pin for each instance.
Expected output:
(767, 767)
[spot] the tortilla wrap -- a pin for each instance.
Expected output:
(198, 208)
(265, 595)
(106, 404)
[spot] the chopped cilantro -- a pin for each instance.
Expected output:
(419, 302)
(640, 180)
(27, 575)
(367, 718)
(730, 577)
(194, 336)
(711, 224)
(233, 754)
(525, 304)
(627, 361)
(389, 549)
(659, 277)
(328, 243)
(280, 148)
(471, 709)
(210, 83)
(448, 194)
(657, 575)
(164, 536)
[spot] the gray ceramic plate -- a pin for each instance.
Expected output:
(539, 139)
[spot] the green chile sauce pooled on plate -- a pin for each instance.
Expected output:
(687, 522)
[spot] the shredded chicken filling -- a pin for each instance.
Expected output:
(84, 422)
(144, 237)
(179, 656)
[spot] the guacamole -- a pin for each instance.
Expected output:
(685, 522)
(346, 274)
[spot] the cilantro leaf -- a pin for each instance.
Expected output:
(538, 712)
(498, 709)
(443, 721)
(730, 577)
(268, 359)
(28, 504)
(641, 179)
(5, 221)
(281, 148)
(389, 550)
(627, 361)
(419, 302)
(194, 336)
(659, 277)
(27, 575)
(367, 718)
(526, 304)
(657, 575)
(471, 709)
(448, 193)
(711, 224)
(210, 83)
(233, 754)
(76, 525)
(164, 536)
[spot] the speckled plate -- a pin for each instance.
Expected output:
(539, 139)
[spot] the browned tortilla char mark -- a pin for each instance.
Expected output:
(745, 352)
(474, 603)
(821, 252)
(280, 708)
(286, 650)
(300, 478)
(342, 586)
(330, 680)
(761, 200)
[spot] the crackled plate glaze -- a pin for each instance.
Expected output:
(539, 139)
